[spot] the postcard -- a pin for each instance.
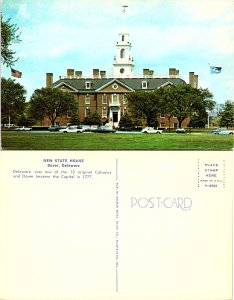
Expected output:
(116, 166)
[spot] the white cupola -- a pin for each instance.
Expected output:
(123, 60)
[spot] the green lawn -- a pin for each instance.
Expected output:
(118, 141)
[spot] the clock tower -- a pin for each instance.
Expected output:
(123, 60)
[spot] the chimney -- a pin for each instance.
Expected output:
(151, 73)
(49, 79)
(172, 71)
(193, 80)
(95, 73)
(70, 73)
(146, 72)
(196, 81)
(103, 74)
(78, 74)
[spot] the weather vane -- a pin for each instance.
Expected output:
(124, 8)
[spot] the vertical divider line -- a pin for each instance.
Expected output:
(116, 226)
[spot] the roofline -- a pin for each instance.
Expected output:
(119, 77)
(64, 83)
(112, 81)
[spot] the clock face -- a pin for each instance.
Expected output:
(122, 70)
(115, 86)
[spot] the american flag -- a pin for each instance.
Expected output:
(16, 73)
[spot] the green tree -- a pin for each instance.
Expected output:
(93, 119)
(146, 103)
(25, 121)
(9, 36)
(137, 123)
(50, 103)
(183, 101)
(75, 120)
(227, 114)
(198, 120)
(12, 100)
(126, 121)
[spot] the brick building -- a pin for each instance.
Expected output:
(107, 94)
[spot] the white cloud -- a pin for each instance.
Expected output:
(207, 10)
(23, 11)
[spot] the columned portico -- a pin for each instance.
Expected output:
(114, 110)
(114, 115)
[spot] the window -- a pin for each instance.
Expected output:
(69, 113)
(175, 125)
(104, 112)
(162, 115)
(121, 70)
(115, 86)
(88, 85)
(144, 84)
(115, 99)
(87, 111)
(104, 99)
(87, 99)
(122, 53)
(122, 38)
(125, 100)
(162, 125)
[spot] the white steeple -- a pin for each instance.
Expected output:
(123, 60)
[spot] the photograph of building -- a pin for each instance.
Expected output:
(107, 94)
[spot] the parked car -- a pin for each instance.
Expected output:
(85, 127)
(93, 127)
(105, 129)
(151, 130)
(222, 131)
(56, 127)
(71, 129)
(180, 130)
(125, 128)
(23, 128)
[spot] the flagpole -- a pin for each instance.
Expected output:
(124, 11)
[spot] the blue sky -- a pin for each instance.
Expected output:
(81, 34)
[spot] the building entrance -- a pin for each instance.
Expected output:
(115, 117)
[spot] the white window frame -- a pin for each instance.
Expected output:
(104, 99)
(144, 85)
(104, 115)
(87, 99)
(87, 109)
(88, 85)
(117, 99)
(125, 100)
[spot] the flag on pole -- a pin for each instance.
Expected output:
(215, 70)
(16, 73)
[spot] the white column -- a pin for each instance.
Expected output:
(119, 114)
